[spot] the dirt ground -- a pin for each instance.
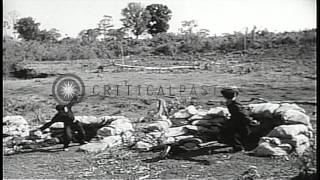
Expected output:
(282, 74)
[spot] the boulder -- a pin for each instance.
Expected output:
(263, 110)
(289, 131)
(271, 146)
(102, 145)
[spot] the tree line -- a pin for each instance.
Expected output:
(106, 42)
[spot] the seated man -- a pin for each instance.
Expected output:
(66, 116)
(236, 130)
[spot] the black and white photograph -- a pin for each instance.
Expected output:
(159, 89)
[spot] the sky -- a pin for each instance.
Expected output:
(218, 16)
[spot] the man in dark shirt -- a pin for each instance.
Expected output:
(66, 116)
(236, 131)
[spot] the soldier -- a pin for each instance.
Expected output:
(237, 130)
(66, 116)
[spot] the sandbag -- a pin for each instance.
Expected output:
(202, 112)
(200, 129)
(172, 140)
(87, 119)
(271, 146)
(219, 112)
(192, 110)
(211, 122)
(179, 122)
(106, 131)
(158, 126)
(109, 119)
(262, 110)
(102, 145)
(199, 117)
(57, 125)
(175, 131)
(217, 121)
(181, 114)
(14, 120)
(15, 126)
(143, 146)
(300, 143)
(289, 131)
(116, 127)
(287, 106)
(295, 117)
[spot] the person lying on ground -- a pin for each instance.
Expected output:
(71, 125)
(236, 131)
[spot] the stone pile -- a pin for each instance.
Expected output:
(291, 129)
(185, 123)
(17, 136)
(292, 132)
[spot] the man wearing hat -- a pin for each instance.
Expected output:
(236, 130)
(66, 116)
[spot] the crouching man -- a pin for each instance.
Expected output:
(66, 116)
(237, 130)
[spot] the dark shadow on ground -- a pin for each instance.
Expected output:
(177, 153)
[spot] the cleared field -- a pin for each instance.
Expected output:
(284, 74)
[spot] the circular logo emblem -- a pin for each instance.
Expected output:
(65, 87)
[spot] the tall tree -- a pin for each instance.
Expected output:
(135, 18)
(104, 25)
(160, 16)
(27, 28)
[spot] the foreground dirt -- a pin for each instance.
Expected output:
(277, 75)
(123, 164)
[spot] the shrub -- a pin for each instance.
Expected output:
(166, 49)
